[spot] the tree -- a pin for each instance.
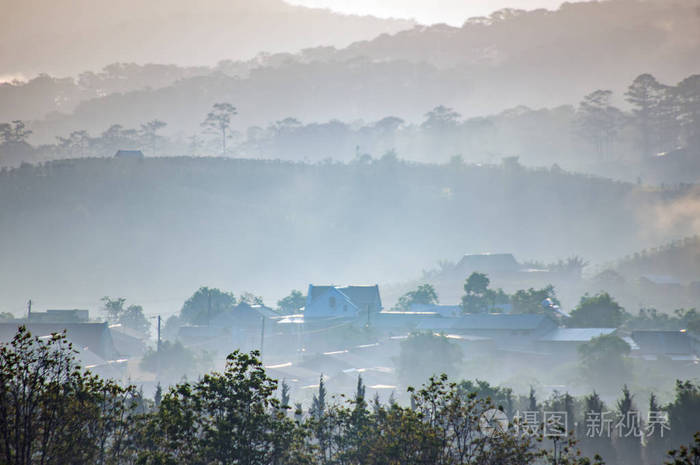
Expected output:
(250, 299)
(149, 133)
(628, 436)
(131, 317)
(478, 298)
(531, 300)
(15, 132)
(500, 397)
(598, 311)
(646, 95)
(76, 143)
(174, 361)
(219, 120)
(686, 455)
(604, 359)
(205, 304)
(293, 303)
(425, 294)
(598, 122)
(441, 118)
(53, 410)
(229, 417)
(425, 354)
(684, 412)
(597, 438)
(687, 95)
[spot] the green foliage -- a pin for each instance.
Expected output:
(650, 318)
(218, 120)
(131, 317)
(424, 294)
(684, 412)
(6, 316)
(175, 361)
(293, 303)
(500, 397)
(604, 359)
(229, 417)
(629, 447)
(686, 455)
(425, 354)
(478, 298)
(52, 410)
(205, 304)
(598, 311)
(250, 299)
(530, 300)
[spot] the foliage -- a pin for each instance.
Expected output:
(229, 417)
(686, 455)
(130, 317)
(650, 318)
(424, 294)
(628, 446)
(205, 304)
(293, 303)
(530, 300)
(219, 120)
(684, 412)
(500, 397)
(425, 354)
(174, 361)
(53, 410)
(604, 359)
(250, 299)
(478, 298)
(598, 311)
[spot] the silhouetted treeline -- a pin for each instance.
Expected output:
(596, 136)
(53, 410)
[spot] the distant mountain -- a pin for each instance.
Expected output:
(537, 58)
(66, 38)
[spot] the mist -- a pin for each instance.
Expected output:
(327, 232)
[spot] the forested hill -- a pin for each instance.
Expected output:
(537, 58)
(155, 229)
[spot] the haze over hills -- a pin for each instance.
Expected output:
(65, 39)
(537, 58)
(153, 229)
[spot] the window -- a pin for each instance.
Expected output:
(331, 302)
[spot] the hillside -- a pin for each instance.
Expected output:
(89, 34)
(154, 230)
(557, 56)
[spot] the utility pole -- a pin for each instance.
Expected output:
(262, 336)
(209, 307)
(29, 310)
(158, 346)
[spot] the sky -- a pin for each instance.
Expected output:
(452, 12)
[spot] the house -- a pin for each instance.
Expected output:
(565, 342)
(348, 302)
(239, 328)
(60, 316)
(88, 338)
(674, 346)
(514, 332)
(446, 311)
(130, 154)
(488, 263)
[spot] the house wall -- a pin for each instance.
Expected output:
(331, 304)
